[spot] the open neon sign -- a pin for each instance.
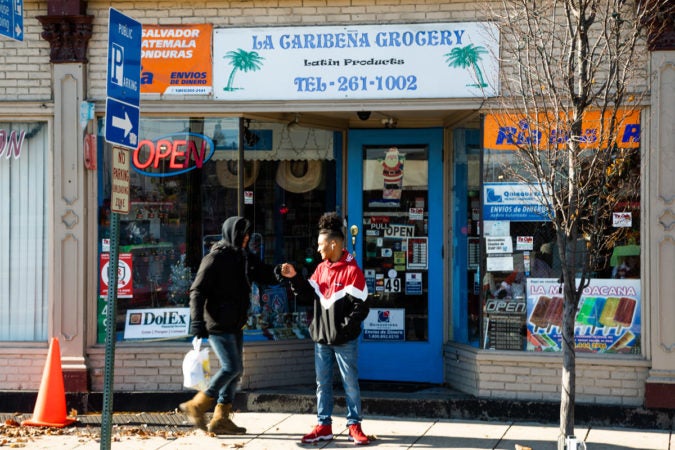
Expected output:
(11, 143)
(172, 154)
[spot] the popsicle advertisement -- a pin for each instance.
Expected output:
(607, 321)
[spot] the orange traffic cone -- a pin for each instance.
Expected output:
(50, 407)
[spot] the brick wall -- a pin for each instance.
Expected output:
(21, 368)
(159, 368)
(600, 379)
(265, 13)
(26, 72)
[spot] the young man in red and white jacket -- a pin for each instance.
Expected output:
(338, 291)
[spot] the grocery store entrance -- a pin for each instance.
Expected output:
(394, 193)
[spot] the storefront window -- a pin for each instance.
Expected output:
(522, 302)
(184, 184)
(23, 231)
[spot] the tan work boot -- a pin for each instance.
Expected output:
(196, 408)
(221, 423)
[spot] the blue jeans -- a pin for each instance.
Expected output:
(229, 348)
(346, 356)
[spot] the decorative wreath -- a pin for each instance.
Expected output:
(299, 176)
(227, 172)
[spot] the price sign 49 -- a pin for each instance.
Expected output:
(392, 285)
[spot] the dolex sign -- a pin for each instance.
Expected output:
(159, 322)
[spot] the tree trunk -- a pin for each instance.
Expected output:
(568, 384)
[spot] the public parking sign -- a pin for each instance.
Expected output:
(124, 80)
(11, 19)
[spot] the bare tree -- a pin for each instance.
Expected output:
(573, 72)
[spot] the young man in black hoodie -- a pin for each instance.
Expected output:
(219, 302)
(337, 288)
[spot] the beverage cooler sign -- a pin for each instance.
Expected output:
(608, 318)
(384, 324)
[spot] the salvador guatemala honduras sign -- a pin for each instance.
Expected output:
(440, 60)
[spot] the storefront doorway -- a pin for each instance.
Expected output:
(395, 205)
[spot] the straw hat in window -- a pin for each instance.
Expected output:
(299, 176)
(227, 172)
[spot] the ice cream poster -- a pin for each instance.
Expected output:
(608, 318)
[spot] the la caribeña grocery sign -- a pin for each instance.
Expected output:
(438, 60)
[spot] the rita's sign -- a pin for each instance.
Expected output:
(511, 131)
(172, 154)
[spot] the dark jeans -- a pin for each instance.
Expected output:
(228, 348)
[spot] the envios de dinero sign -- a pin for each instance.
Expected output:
(437, 60)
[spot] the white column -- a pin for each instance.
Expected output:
(660, 235)
(69, 238)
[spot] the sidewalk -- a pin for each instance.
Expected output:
(278, 431)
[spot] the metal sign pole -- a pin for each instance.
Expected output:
(110, 328)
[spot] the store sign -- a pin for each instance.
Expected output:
(11, 143)
(157, 323)
(513, 201)
(437, 60)
(384, 324)
(172, 154)
(176, 59)
(516, 130)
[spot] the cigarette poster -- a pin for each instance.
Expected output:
(608, 318)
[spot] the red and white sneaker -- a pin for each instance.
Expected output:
(319, 433)
(356, 434)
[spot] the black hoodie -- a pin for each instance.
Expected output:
(219, 295)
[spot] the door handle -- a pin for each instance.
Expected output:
(354, 231)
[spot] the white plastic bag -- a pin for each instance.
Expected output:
(196, 366)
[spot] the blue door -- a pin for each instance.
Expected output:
(395, 213)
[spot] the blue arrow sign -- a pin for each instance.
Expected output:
(11, 19)
(124, 80)
(121, 123)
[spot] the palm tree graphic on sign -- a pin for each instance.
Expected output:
(244, 61)
(465, 57)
